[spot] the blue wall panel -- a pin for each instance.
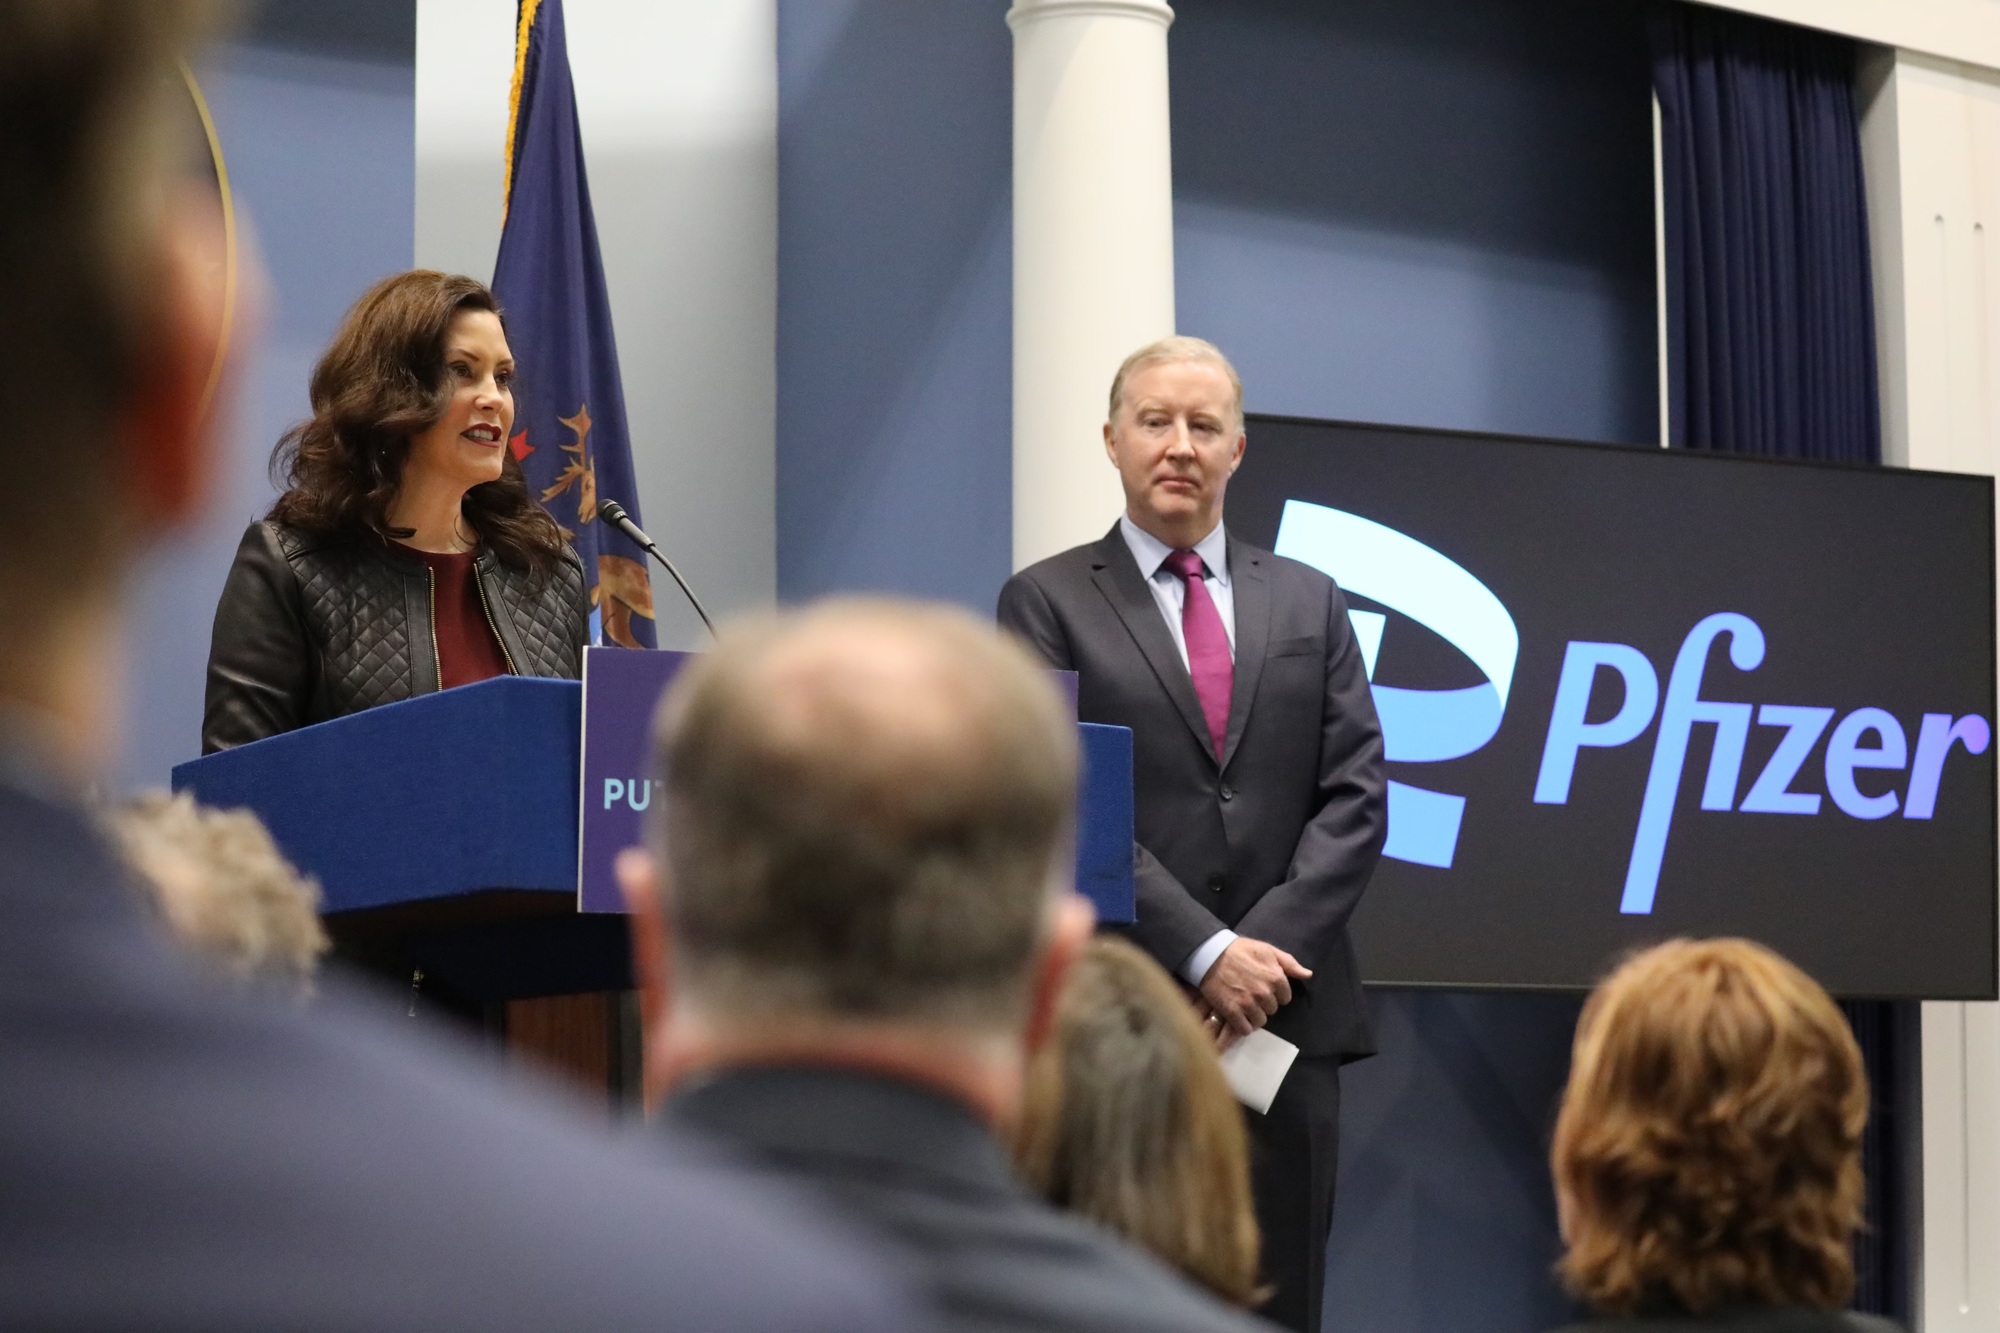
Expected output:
(894, 298)
(1445, 1221)
(1435, 213)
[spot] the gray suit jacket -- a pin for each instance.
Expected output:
(1278, 840)
(915, 1170)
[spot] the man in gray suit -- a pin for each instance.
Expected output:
(1257, 764)
(862, 925)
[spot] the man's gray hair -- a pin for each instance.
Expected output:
(1167, 350)
(868, 811)
(225, 889)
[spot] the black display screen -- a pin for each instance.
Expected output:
(1630, 694)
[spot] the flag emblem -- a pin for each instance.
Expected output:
(577, 475)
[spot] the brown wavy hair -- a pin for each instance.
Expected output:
(381, 381)
(1129, 1121)
(1708, 1151)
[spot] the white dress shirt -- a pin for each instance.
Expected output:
(1170, 594)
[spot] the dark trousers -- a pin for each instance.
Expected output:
(1293, 1152)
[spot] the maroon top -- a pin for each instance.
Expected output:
(466, 647)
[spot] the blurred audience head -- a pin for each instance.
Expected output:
(865, 837)
(1708, 1151)
(1129, 1121)
(111, 328)
(224, 888)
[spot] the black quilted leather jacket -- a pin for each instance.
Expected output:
(315, 628)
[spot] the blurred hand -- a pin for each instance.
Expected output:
(1250, 981)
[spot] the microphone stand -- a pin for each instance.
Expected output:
(614, 513)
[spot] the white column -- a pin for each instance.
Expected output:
(1093, 247)
(1930, 137)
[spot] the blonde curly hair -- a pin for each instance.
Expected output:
(224, 888)
(1708, 1151)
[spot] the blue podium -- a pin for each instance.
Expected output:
(443, 832)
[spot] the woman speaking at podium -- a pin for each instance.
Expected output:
(407, 555)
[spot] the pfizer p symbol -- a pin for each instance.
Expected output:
(1418, 726)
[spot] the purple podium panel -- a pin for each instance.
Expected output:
(621, 690)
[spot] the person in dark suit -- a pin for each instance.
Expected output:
(1257, 767)
(859, 930)
(174, 1154)
(1707, 1157)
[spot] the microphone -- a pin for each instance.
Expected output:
(614, 513)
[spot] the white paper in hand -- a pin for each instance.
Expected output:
(1256, 1065)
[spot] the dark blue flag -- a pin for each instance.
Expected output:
(570, 431)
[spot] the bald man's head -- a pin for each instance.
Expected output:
(868, 813)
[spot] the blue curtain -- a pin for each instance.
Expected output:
(1771, 350)
(1887, 1033)
(1770, 321)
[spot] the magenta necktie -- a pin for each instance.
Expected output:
(1209, 662)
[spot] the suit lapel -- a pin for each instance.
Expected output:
(1117, 576)
(1251, 591)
